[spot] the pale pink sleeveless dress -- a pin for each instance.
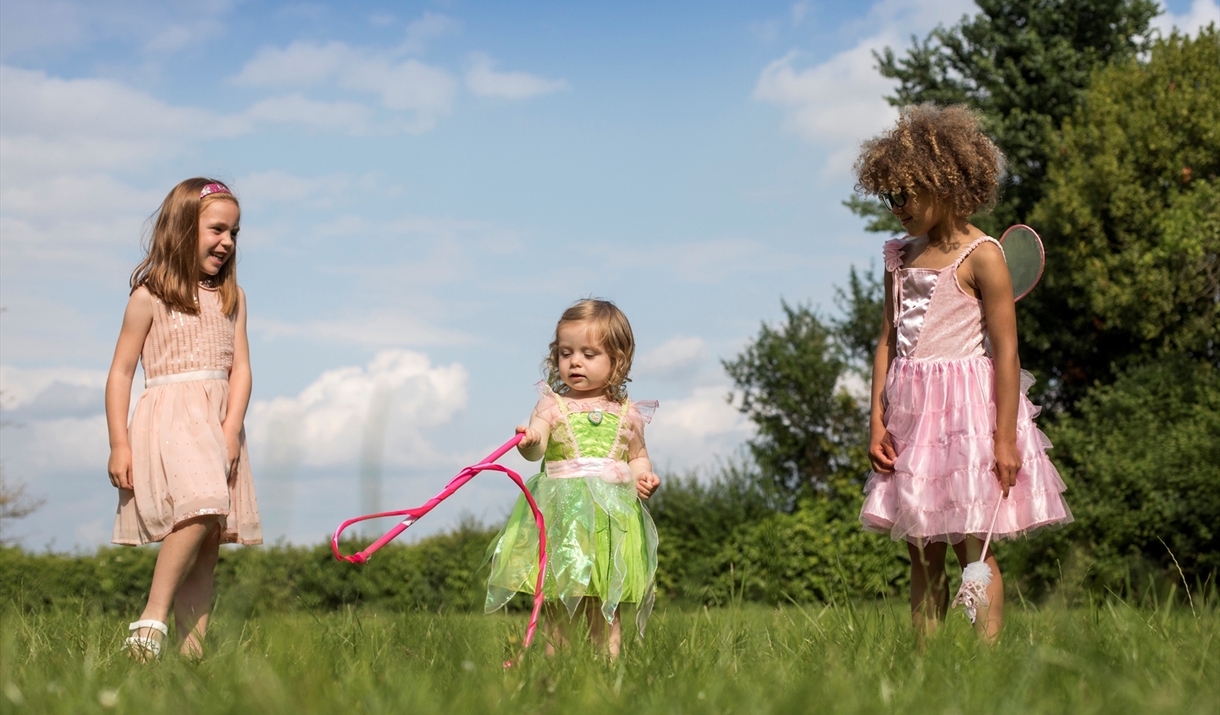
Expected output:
(180, 461)
(940, 413)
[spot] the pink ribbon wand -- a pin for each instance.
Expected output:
(413, 515)
(976, 577)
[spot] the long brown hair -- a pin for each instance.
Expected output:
(170, 270)
(617, 341)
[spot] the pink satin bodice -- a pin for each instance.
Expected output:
(935, 318)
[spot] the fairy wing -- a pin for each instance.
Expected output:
(1025, 257)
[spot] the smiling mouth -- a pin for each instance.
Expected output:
(219, 256)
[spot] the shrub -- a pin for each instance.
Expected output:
(1140, 463)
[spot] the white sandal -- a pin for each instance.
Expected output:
(143, 646)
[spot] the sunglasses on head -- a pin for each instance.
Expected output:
(893, 199)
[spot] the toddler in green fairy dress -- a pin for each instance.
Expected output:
(601, 542)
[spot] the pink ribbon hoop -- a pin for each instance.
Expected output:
(413, 515)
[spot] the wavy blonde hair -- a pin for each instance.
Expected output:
(934, 150)
(170, 270)
(616, 337)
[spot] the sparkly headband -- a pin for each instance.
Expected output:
(214, 189)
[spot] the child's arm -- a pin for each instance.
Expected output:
(646, 482)
(880, 449)
(533, 445)
(988, 274)
(240, 382)
(137, 321)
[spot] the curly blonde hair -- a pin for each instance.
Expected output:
(617, 341)
(934, 150)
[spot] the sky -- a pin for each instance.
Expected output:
(425, 187)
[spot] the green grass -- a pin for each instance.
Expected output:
(1107, 658)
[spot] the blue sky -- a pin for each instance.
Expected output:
(425, 187)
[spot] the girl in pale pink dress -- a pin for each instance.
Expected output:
(951, 429)
(181, 466)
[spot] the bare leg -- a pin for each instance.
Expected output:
(602, 634)
(929, 591)
(557, 624)
(990, 618)
(193, 603)
(179, 550)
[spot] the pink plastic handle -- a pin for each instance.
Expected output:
(413, 515)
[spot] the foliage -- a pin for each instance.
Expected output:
(1025, 65)
(15, 503)
(438, 572)
(862, 304)
(724, 539)
(816, 554)
(1104, 658)
(696, 517)
(1131, 220)
(880, 219)
(787, 381)
(1140, 462)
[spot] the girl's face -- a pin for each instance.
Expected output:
(921, 213)
(584, 365)
(218, 225)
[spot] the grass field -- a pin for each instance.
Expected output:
(1107, 658)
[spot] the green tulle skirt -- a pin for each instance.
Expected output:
(601, 542)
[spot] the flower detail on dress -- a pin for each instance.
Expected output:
(893, 253)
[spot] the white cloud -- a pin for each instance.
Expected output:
(839, 99)
(375, 329)
(176, 37)
(53, 125)
(680, 354)
(332, 412)
(484, 81)
(42, 396)
(262, 188)
(28, 26)
(799, 11)
(345, 117)
(690, 431)
(22, 387)
(1200, 14)
(839, 102)
(58, 445)
(403, 86)
(429, 26)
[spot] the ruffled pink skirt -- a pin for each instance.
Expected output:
(941, 418)
(180, 468)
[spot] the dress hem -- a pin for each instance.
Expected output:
(226, 536)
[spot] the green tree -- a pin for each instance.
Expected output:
(1139, 457)
(863, 307)
(1025, 65)
(788, 382)
(1131, 220)
(696, 517)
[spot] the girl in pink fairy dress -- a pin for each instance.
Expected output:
(181, 465)
(951, 429)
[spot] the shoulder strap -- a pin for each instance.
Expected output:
(624, 408)
(567, 421)
(970, 249)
